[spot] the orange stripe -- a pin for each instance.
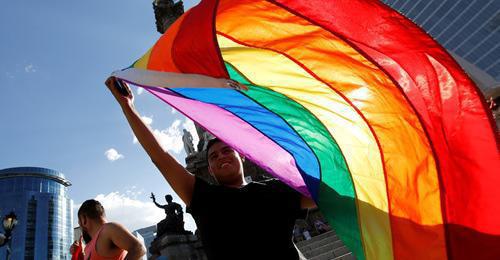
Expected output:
(411, 172)
(161, 55)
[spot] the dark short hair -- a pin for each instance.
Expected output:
(92, 209)
(210, 143)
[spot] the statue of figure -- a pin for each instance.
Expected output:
(199, 133)
(166, 12)
(206, 137)
(174, 221)
(187, 139)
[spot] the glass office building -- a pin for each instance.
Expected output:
(149, 234)
(468, 29)
(39, 198)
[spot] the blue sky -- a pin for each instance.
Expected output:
(55, 111)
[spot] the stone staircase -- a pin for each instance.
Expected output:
(326, 246)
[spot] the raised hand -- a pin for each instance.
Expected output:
(123, 100)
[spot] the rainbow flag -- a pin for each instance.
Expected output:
(350, 103)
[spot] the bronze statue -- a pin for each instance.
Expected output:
(174, 220)
(166, 13)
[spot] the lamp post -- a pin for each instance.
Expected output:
(9, 222)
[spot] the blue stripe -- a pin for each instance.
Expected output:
(262, 119)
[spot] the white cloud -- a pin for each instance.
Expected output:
(134, 213)
(189, 125)
(140, 90)
(173, 111)
(147, 119)
(133, 192)
(113, 154)
(30, 68)
(171, 138)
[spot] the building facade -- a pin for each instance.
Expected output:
(39, 198)
(141, 240)
(469, 30)
(148, 234)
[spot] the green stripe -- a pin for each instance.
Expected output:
(336, 195)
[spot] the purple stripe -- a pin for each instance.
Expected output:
(238, 134)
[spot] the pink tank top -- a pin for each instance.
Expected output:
(91, 252)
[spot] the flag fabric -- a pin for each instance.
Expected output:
(350, 103)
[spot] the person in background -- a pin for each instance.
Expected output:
(109, 240)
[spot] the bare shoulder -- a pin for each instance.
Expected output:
(115, 237)
(119, 236)
(111, 226)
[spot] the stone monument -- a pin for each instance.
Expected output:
(207, 136)
(187, 139)
(166, 12)
(172, 240)
(174, 220)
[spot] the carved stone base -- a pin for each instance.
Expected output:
(171, 226)
(178, 247)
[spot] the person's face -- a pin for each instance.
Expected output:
(84, 223)
(224, 162)
(86, 237)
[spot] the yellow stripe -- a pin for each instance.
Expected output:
(410, 168)
(142, 63)
(277, 72)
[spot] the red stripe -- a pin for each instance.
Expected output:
(457, 121)
(195, 48)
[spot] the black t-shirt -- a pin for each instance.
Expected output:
(252, 222)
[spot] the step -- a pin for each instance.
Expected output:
(314, 244)
(317, 238)
(348, 256)
(335, 254)
(324, 256)
(322, 249)
(326, 234)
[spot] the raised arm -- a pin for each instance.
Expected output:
(154, 201)
(179, 178)
(307, 203)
